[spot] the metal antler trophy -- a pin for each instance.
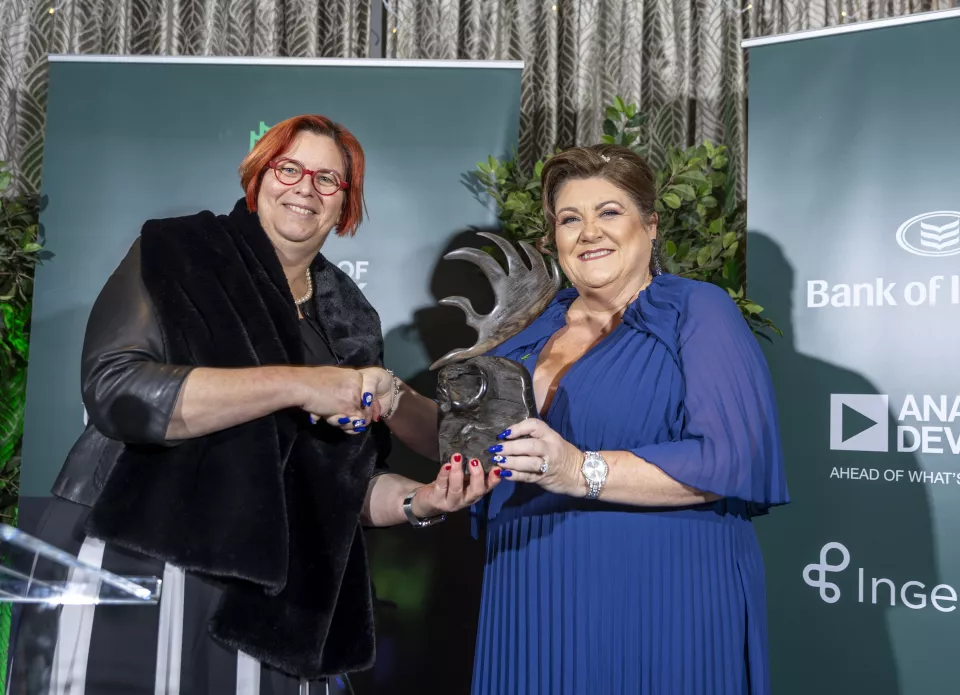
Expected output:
(482, 396)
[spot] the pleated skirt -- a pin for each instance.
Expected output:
(133, 650)
(622, 603)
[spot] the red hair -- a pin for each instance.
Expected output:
(278, 140)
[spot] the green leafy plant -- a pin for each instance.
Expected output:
(19, 249)
(702, 226)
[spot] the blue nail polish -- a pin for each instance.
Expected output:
(313, 420)
(499, 459)
(506, 474)
(367, 399)
(359, 429)
(495, 448)
(343, 420)
(504, 434)
(359, 423)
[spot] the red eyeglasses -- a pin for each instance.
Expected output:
(290, 172)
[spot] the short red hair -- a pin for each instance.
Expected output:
(278, 140)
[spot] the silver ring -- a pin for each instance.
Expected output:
(544, 467)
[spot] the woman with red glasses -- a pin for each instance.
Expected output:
(213, 357)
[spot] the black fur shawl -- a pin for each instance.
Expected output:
(270, 508)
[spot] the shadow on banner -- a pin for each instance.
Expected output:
(845, 647)
(427, 581)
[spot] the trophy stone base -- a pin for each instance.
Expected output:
(480, 398)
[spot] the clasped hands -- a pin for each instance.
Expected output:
(528, 452)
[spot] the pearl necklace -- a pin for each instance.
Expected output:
(309, 292)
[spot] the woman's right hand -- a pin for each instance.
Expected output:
(378, 382)
(339, 393)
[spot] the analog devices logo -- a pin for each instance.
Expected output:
(931, 234)
(859, 422)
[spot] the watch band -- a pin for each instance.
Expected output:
(416, 520)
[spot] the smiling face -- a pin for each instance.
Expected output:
(602, 237)
(297, 215)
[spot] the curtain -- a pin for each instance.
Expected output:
(30, 29)
(680, 61)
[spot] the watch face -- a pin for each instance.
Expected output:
(594, 469)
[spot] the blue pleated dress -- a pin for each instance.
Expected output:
(590, 598)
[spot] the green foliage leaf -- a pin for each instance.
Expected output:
(612, 114)
(671, 200)
(610, 128)
(619, 105)
(704, 255)
(693, 176)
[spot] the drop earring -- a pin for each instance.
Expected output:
(656, 268)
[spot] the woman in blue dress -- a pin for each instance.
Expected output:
(621, 556)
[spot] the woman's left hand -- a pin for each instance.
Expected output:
(542, 457)
(453, 490)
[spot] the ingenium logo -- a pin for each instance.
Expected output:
(815, 574)
(931, 234)
(873, 590)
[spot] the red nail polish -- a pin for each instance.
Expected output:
(457, 458)
(447, 467)
(496, 472)
(474, 462)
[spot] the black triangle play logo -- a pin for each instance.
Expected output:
(855, 422)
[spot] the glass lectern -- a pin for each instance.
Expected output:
(32, 571)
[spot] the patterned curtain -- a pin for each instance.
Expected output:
(30, 29)
(679, 60)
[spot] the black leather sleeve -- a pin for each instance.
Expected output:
(128, 390)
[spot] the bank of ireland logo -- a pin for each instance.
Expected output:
(815, 574)
(859, 422)
(931, 234)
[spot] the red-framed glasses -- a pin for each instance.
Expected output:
(290, 172)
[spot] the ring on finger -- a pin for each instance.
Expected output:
(544, 467)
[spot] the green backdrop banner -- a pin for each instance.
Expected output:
(854, 251)
(133, 139)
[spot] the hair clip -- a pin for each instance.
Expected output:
(605, 158)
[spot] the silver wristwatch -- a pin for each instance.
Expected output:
(416, 520)
(594, 471)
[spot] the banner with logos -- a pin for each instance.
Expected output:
(129, 139)
(854, 251)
